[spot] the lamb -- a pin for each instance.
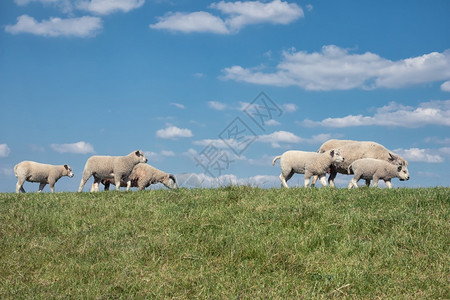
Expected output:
(43, 173)
(109, 167)
(353, 150)
(308, 163)
(142, 176)
(375, 169)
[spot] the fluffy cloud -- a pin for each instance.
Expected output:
(278, 137)
(205, 181)
(334, 68)
(239, 14)
(191, 22)
(178, 105)
(4, 150)
(445, 86)
(173, 132)
(104, 7)
(54, 27)
(217, 105)
(420, 155)
(427, 113)
(77, 148)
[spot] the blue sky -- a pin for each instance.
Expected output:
(176, 78)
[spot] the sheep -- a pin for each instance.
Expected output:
(353, 150)
(43, 173)
(308, 163)
(375, 169)
(142, 176)
(108, 167)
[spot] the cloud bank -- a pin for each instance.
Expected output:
(335, 68)
(55, 27)
(173, 132)
(397, 115)
(4, 150)
(76, 148)
(237, 14)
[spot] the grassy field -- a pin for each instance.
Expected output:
(226, 243)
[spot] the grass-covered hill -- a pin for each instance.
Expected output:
(226, 243)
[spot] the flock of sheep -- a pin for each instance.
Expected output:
(366, 160)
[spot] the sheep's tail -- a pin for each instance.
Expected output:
(15, 170)
(275, 159)
(349, 169)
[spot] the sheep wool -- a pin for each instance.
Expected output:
(143, 175)
(110, 167)
(43, 173)
(376, 169)
(353, 150)
(308, 163)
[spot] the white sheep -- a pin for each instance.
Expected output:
(109, 167)
(308, 163)
(142, 176)
(43, 173)
(353, 150)
(375, 169)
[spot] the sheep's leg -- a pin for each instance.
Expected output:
(314, 180)
(283, 181)
(41, 186)
(95, 185)
(367, 182)
(353, 183)
(117, 181)
(323, 180)
(52, 186)
(83, 181)
(332, 176)
(128, 185)
(388, 184)
(107, 184)
(19, 185)
(375, 182)
(307, 179)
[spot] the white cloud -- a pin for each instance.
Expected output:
(104, 7)
(54, 27)
(173, 132)
(243, 13)
(278, 137)
(191, 22)
(290, 107)
(445, 86)
(420, 155)
(65, 5)
(217, 105)
(77, 148)
(205, 181)
(335, 68)
(272, 122)
(167, 153)
(6, 171)
(4, 150)
(178, 105)
(238, 15)
(427, 113)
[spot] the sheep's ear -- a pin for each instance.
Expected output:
(391, 157)
(172, 177)
(137, 153)
(332, 153)
(66, 167)
(399, 168)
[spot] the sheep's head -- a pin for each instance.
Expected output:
(336, 155)
(141, 156)
(403, 173)
(171, 182)
(68, 170)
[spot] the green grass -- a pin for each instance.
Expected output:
(233, 242)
